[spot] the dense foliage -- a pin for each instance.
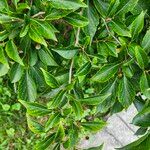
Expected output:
(72, 62)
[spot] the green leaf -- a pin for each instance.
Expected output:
(145, 84)
(126, 92)
(95, 100)
(113, 7)
(126, 6)
(111, 49)
(44, 29)
(12, 52)
(6, 107)
(137, 25)
(120, 28)
(3, 59)
(106, 72)
(58, 99)
(101, 6)
(117, 107)
(67, 4)
(142, 119)
(84, 70)
(55, 14)
(50, 79)
(140, 144)
(36, 36)
(146, 41)
(76, 20)
(33, 58)
(43, 144)
(16, 106)
(94, 126)
(141, 57)
(141, 131)
(34, 126)
(92, 15)
(3, 5)
(22, 6)
(111, 87)
(35, 109)
(77, 107)
(5, 19)
(53, 120)
(15, 2)
(73, 137)
(16, 72)
(128, 71)
(60, 133)
(139, 103)
(67, 52)
(24, 31)
(27, 88)
(46, 57)
(3, 35)
(37, 76)
(3, 69)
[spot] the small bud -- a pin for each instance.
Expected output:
(120, 75)
(38, 46)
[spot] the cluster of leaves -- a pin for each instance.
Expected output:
(73, 61)
(12, 136)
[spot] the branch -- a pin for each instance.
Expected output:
(38, 14)
(107, 28)
(72, 61)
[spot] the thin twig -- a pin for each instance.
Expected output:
(72, 61)
(107, 28)
(77, 37)
(70, 71)
(38, 14)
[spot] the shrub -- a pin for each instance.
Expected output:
(74, 62)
